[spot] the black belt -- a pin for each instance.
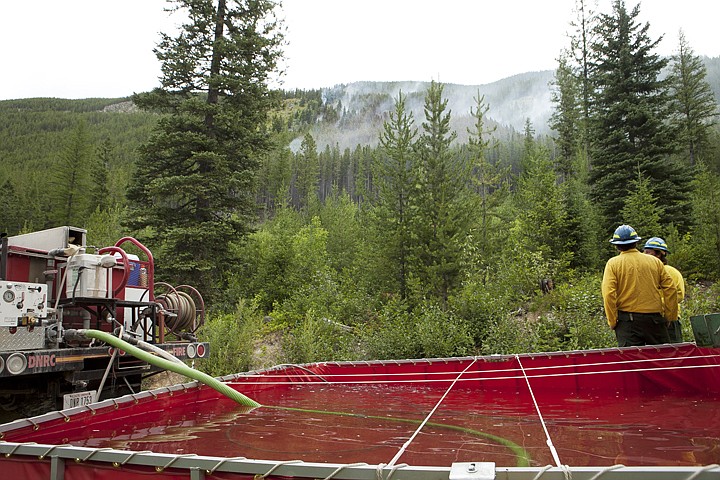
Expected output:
(638, 314)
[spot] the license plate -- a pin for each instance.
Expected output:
(78, 399)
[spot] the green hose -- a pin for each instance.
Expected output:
(182, 369)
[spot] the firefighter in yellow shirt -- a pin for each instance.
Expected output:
(657, 247)
(638, 294)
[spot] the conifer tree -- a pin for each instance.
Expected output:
(566, 118)
(693, 106)
(581, 42)
(706, 225)
(440, 197)
(12, 218)
(100, 190)
(71, 180)
(642, 209)
(192, 195)
(628, 127)
(307, 171)
(489, 181)
(393, 172)
(540, 213)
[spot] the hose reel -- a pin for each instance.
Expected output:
(185, 307)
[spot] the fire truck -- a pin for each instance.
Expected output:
(52, 282)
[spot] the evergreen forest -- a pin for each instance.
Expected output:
(429, 241)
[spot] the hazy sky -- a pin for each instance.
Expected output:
(103, 48)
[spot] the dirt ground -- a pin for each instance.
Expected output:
(164, 379)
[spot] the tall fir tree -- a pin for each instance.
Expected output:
(307, 172)
(694, 108)
(192, 196)
(628, 127)
(581, 41)
(490, 185)
(101, 174)
(72, 183)
(706, 222)
(566, 119)
(441, 223)
(392, 212)
(538, 201)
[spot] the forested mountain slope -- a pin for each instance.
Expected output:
(37, 135)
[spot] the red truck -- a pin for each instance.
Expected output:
(51, 281)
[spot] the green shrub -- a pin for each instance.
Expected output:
(577, 306)
(317, 339)
(569, 317)
(427, 332)
(232, 340)
(508, 335)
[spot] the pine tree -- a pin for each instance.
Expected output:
(440, 197)
(72, 202)
(307, 171)
(12, 219)
(581, 50)
(540, 209)
(706, 221)
(192, 195)
(642, 209)
(628, 128)
(566, 118)
(100, 174)
(393, 168)
(489, 182)
(693, 105)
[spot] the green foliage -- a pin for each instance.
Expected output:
(706, 228)
(265, 258)
(317, 338)
(576, 308)
(566, 118)
(429, 331)
(232, 339)
(441, 205)
(36, 135)
(700, 299)
(195, 178)
(508, 335)
(693, 105)
(642, 209)
(71, 182)
(103, 226)
(306, 168)
(582, 229)
(567, 318)
(628, 128)
(502, 290)
(540, 209)
(392, 213)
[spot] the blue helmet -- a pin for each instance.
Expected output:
(656, 243)
(624, 234)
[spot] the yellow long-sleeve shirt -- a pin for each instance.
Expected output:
(679, 283)
(638, 283)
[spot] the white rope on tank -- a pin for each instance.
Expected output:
(412, 437)
(548, 440)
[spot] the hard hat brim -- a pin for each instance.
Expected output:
(624, 242)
